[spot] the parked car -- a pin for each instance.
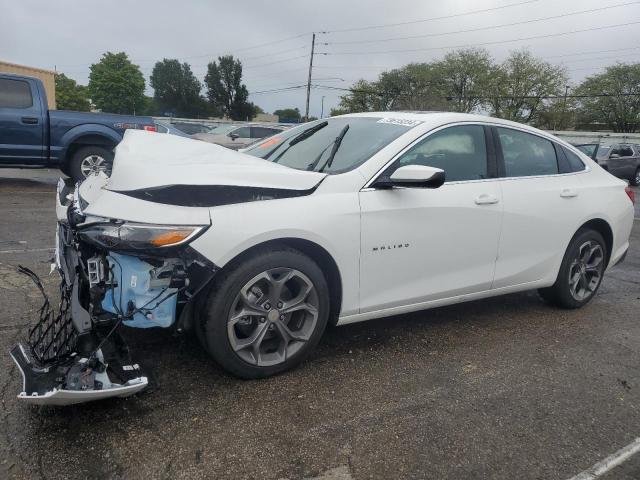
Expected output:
(77, 143)
(621, 160)
(162, 127)
(589, 149)
(236, 137)
(336, 221)
(191, 128)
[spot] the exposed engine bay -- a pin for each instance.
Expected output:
(113, 274)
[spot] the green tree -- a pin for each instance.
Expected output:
(464, 77)
(291, 115)
(225, 89)
(520, 84)
(612, 98)
(176, 89)
(116, 85)
(70, 95)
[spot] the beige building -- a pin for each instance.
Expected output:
(47, 77)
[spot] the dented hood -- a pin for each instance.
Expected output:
(147, 160)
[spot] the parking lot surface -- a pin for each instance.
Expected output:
(502, 388)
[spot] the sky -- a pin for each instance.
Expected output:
(356, 38)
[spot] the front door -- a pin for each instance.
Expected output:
(21, 129)
(421, 244)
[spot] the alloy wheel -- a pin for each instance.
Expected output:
(585, 272)
(273, 316)
(93, 164)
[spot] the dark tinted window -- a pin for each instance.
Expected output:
(625, 151)
(15, 94)
(262, 132)
(365, 137)
(460, 151)
(575, 164)
(526, 154)
(242, 132)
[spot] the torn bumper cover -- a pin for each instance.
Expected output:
(110, 277)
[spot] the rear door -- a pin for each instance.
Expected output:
(622, 161)
(21, 125)
(541, 207)
(421, 244)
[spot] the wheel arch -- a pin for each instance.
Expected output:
(82, 137)
(317, 253)
(603, 228)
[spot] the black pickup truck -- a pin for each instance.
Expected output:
(77, 143)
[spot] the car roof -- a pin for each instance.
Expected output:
(442, 118)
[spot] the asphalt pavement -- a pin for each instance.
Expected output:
(504, 388)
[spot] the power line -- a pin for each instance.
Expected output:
(431, 19)
(487, 97)
(478, 29)
(496, 42)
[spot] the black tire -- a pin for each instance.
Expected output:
(223, 299)
(635, 180)
(561, 293)
(75, 164)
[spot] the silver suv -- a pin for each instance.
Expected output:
(621, 160)
(236, 137)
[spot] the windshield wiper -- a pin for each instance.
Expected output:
(336, 145)
(300, 137)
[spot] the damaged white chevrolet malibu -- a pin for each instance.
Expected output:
(336, 221)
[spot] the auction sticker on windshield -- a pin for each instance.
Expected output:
(400, 121)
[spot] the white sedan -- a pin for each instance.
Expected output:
(336, 221)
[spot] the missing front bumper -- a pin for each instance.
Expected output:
(50, 385)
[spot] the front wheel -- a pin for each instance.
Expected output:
(90, 160)
(635, 180)
(264, 316)
(580, 273)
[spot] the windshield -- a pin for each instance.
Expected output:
(603, 152)
(588, 148)
(222, 129)
(364, 137)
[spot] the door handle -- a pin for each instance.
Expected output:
(30, 120)
(486, 199)
(568, 193)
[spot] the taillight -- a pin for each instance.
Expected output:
(150, 128)
(631, 194)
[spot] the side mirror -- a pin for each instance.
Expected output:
(614, 155)
(417, 176)
(233, 136)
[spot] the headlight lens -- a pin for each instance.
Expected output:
(138, 236)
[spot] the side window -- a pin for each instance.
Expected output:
(243, 132)
(526, 155)
(626, 151)
(15, 94)
(575, 164)
(460, 151)
(262, 132)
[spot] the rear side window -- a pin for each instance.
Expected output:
(460, 151)
(262, 132)
(526, 155)
(625, 151)
(242, 132)
(573, 160)
(15, 94)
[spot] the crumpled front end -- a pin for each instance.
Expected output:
(113, 273)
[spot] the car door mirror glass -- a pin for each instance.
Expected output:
(420, 176)
(233, 136)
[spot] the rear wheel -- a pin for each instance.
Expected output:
(581, 271)
(90, 160)
(264, 316)
(635, 180)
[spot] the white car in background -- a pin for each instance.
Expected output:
(336, 221)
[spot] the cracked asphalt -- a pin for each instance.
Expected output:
(502, 388)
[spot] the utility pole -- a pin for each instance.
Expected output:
(322, 108)
(313, 44)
